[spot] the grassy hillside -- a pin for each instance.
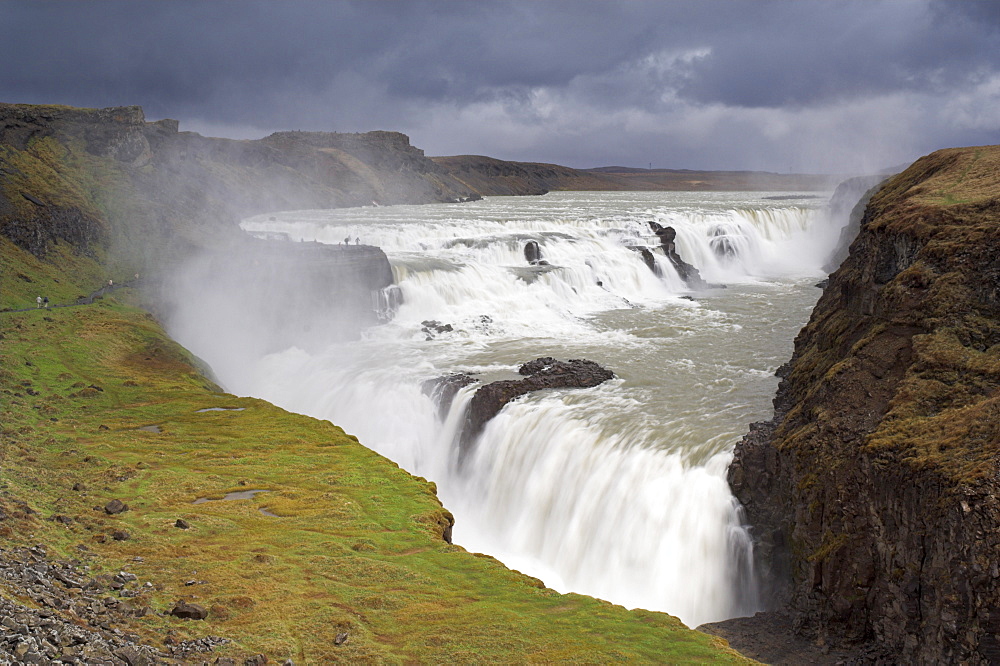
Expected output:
(341, 557)
(97, 397)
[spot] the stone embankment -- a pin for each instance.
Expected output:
(874, 493)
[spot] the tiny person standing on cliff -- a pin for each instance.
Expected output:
(39, 302)
(45, 301)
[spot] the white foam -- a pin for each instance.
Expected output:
(617, 491)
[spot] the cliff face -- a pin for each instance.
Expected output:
(874, 490)
(185, 180)
(849, 202)
(119, 194)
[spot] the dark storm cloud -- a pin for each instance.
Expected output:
(805, 85)
(805, 53)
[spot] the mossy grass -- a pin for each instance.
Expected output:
(63, 276)
(99, 404)
(355, 543)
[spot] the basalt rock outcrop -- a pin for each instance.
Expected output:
(279, 292)
(874, 493)
(433, 328)
(74, 617)
(848, 202)
(648, 259)
(542, 373)
(442, 390)
(686, 271)
(533, 254)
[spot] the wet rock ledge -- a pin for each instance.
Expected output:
(542, 373)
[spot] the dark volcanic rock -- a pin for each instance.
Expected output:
(648, 259)
(542, 373)
(115, 507)
(533, 254)
(769, 638)
(848, 204)
(432, 328)
(187, 611)
(874, 493)
(443, 389)
(686, 271)
(72, 622)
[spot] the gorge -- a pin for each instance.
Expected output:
(871, 494)
(873, 488)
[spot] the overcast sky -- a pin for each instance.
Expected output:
(820, 86)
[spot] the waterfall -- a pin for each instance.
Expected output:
(617, 491)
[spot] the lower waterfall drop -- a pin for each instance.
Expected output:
(617, 491)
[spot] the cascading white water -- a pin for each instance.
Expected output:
(617, 491)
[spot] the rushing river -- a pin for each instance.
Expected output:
(616, 491)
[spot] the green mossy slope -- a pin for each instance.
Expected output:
(99, 404)
(355, 544)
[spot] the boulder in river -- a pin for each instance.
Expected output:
(442, 390)
(432, 328)
(542, 373)
(686, 271)
(533, 254)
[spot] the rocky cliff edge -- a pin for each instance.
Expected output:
(104, 193)
(873, 493)
(181, 184)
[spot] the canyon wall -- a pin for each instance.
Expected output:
(106, 187)
(183, 185)
(873, 493)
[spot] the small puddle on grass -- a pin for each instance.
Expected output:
(239, 495)
(151, 428)
(242, 494)
(219, 409)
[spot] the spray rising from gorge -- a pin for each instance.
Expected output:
(617, 491)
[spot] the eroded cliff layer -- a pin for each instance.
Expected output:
(873, 492)
(104, 193)
(59, 162)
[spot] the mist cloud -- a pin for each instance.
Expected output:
(809, 86)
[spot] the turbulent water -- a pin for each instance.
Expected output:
(616, 491)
